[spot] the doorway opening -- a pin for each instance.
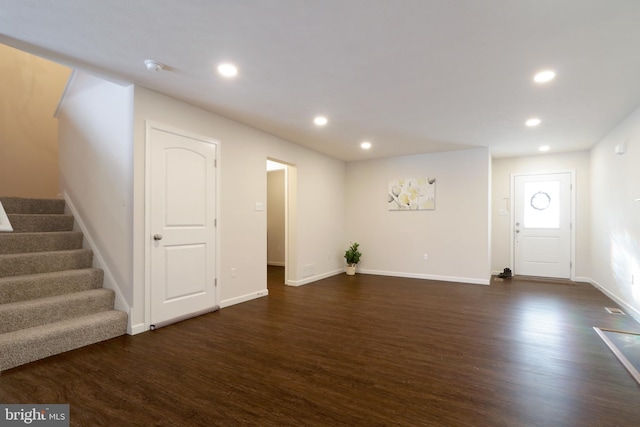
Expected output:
(281, 222)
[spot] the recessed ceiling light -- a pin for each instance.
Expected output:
(544, 76)
(320, 120)
(533, 122)
(365, 145)
(544, 148)
(228, 70)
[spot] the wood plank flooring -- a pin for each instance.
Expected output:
(356, 351)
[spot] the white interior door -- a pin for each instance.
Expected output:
(182, 226)
(542, 225)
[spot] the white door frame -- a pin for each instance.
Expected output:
(290, 219)
(149, 126)
(291, 225)
(572, 230)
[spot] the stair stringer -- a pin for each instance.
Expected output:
(109, 281)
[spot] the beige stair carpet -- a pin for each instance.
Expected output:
(51, 298)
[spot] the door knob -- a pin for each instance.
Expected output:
(157, 237)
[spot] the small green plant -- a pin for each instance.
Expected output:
(352, 255)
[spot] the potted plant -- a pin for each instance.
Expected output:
(352, 255)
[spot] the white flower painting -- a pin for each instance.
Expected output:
(411, 194)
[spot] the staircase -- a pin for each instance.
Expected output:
(51, 299)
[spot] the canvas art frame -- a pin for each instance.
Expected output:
(412, 194)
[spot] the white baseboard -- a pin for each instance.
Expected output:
(244, 298)
(276, 263)
(98, 261)
(314, 278)
(627, 308)
(427, 277)
(136, 329)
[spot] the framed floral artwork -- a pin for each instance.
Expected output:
(412, 194)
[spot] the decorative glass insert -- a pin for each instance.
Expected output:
(541, 204)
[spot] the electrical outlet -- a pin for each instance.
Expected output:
(233, 272)
(426, 257)
(632, 279)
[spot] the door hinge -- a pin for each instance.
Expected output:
(215, 163)
(215, 282)
(215, 222)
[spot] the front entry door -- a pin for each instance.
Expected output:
(542, 225)
(182, 225)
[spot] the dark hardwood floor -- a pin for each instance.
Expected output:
(356, 351)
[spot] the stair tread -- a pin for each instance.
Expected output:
(27, 222)
(37, 205)
(25, 314)
(44, 241)
(42, 285)
(39, 215)
(27, 345)
(43, 262)
(56, 299)
(63, 324)
(52, 274)
(41, 233)
(44, 253)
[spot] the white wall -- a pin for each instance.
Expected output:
(275, 217)
(501, 199)
(455, 235)
(615, 215)
(242, 229)
(96, 172)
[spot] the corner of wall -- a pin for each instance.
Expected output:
(65, 93)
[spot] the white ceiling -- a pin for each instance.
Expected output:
(410, 76)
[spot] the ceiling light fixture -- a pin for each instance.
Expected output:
(543, 148)
(320, 120)
(228, 70)
(153, 65)
(365, 145)
(533, 122)
(544, 76)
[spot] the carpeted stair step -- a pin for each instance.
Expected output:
(27, 345)
(17, 205)
(34, 286)
(44, 262)
(27, 314)
(51, 299)
(26, 223)
(15, 243)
